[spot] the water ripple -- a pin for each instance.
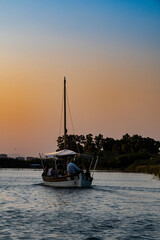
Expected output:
(118, 206)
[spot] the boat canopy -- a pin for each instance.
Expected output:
(64, 152)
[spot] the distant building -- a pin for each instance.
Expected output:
(20, 158)
(29, 158)
(2, 155)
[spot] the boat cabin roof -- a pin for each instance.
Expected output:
(64, 152)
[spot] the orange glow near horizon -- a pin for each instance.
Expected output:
(113, 74)
(30, 105)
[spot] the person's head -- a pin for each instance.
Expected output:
(68, 161)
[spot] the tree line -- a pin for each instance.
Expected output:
(98, 144)
(114, 154)
(18, 163)
(130, 153)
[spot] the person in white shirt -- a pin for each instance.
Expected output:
(49, 173)
(72, 168)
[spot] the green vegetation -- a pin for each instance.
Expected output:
(129, 154)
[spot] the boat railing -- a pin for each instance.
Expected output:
(95, 166)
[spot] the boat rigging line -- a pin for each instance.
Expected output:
(60, 125)
(70, 115)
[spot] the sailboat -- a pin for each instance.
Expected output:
(58, 176)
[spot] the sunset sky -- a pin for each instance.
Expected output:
(109, 52)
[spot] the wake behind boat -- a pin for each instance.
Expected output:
(57, 165)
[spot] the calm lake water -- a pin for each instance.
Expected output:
(118, 206)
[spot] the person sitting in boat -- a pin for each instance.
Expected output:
(54, 172)
(49, 172)
(72, 168)
(45, 171)
(60, 171)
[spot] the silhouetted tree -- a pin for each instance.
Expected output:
(89, 146)
(113, 154)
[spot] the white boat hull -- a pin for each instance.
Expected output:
(68, 181)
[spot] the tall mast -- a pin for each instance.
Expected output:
(65, 130)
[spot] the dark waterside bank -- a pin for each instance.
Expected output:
(123, 163)
(18, 163)
(147, 165)
(129, 154)
(152, 167)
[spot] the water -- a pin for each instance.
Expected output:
(118, 206)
